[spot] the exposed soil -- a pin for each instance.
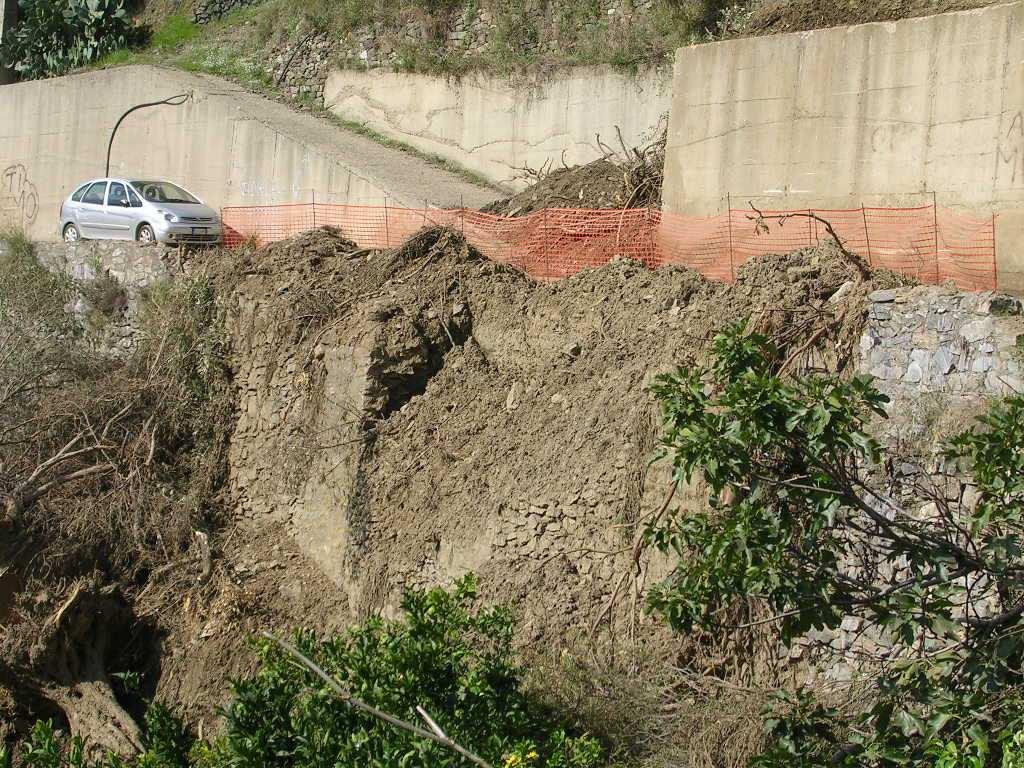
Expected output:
(406, 416)
(801, 15)
(454, 415)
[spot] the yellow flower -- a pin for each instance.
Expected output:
(532, 755)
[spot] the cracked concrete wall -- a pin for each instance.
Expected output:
(226, 145)
(493, 126)
(876, 114)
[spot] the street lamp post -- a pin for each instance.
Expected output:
(173, 101)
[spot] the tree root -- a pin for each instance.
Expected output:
(72, 654)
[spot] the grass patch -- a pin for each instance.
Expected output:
(174, 32)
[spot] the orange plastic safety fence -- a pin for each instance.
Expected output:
(929, 243)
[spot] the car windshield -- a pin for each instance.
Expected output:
(163, 192)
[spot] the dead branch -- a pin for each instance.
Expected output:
(761, 226)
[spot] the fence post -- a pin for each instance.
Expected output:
(314, 208)
(995, 263)
(387, 230)
(867, 237)
(544, 240)
(935, 224)
(810, 229)
(728, 215)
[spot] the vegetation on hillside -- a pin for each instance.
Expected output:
(110, 467)
(444, 661)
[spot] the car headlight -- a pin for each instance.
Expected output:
(169, 217)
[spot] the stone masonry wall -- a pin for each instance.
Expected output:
(939, 354)
(134, 267)
(941, 340)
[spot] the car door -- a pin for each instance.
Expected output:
(91, 210)
(118, 216)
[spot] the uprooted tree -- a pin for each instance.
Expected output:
(108, 464)
(803, 530)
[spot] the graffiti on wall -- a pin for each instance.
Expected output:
(19, 198)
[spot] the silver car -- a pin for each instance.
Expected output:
(147, 211)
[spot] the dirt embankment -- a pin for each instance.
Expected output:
(403, 417)
(408, 416)
(778, 16)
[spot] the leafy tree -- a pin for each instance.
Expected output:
(55, 36)
(802, 521)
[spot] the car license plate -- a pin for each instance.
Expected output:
(199, 230)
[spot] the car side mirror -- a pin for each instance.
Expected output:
(126, 204)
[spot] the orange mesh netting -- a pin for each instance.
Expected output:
(929, 243)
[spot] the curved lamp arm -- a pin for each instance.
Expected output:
(174, 101)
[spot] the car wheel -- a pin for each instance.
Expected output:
(146, 235)
(71, 234)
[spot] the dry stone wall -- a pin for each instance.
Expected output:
(131, 267)
(206, 11)
(939, 340)
(940, 355)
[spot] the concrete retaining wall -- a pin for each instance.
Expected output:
(877, 114)
(226, 145)
(493, 127)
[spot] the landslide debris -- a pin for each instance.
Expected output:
(395, 418)
(625, 178)
(455, 415)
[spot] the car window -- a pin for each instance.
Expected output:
(95, 193)
(79, 193)
(136, 202)
(116, 195)
(163, 192)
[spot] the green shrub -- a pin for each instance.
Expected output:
(455, 662)
(802, 527)
(55, 36)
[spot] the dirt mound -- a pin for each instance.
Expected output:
(802, 15)
(630, 178)
(403, 417)
(453, 415)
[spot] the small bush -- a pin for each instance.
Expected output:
(455, 662)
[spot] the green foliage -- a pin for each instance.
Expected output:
(55, 36)
(167, 745)
(455, 663)
(801, 522)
